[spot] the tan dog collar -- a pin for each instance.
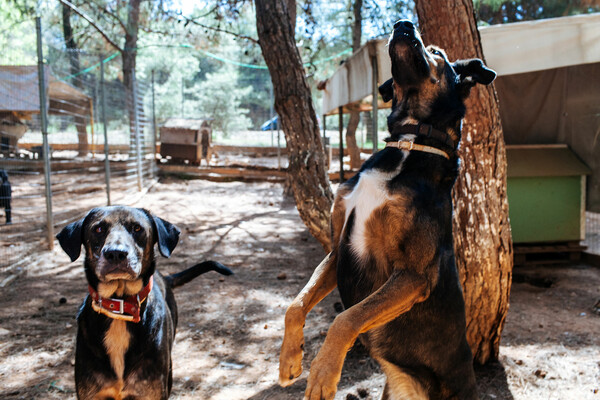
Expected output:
(409, 145)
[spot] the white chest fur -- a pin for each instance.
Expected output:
(369, 194)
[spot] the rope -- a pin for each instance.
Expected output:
(207, 53)
(88, 69)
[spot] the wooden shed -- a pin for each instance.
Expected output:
(20, 99)
(186, 139)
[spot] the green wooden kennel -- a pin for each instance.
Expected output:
(546, 194)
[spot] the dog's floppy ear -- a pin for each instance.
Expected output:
(165, 234)
(386, 90)
(70, 239)
(472, 71)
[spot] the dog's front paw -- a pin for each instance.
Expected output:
(323, 379)
(292, 350)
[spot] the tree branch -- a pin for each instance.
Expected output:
(105, 10)
(91, 22)
(217, 29)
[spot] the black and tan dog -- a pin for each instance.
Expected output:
(126, 325)
(5, 196)
(393, 258)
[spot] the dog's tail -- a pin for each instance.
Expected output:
(183, 277)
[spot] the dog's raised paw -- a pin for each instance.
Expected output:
(289, 372)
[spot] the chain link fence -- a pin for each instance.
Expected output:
(89, 142)
(101, 137)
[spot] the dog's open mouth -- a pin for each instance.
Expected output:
(409, 62)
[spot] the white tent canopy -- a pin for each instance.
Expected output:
(353, 81)
(543, 44)
(508, 49)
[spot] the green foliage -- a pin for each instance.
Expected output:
(175, 45)
(491, 12)
(220, 96)
(17, 35)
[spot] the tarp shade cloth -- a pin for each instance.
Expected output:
(19, 91)
(352, 83)
(560, 105)
(543, 44)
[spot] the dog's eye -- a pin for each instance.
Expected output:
(99, 229)
(137, 228)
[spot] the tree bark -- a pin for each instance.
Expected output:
(307, 170)
(351, 144)
(128, 55)
(71, 45)
(481, 229)
(129, 51)
(291, 6)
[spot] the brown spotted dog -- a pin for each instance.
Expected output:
(393, 256)
(126, 325)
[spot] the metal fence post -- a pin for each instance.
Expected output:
(278, 146)
(103, 116)
(44, 129)
(271, 112)
(182, 98)
(154, 131)
(138, 144)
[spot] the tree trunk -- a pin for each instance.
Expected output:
(80, 120)
(481, 229)
(291, 6)
(129, 50)
(128, 55)
(307, 170)
(353, 149)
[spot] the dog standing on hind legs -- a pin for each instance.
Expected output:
(393, 255)
(126, 326)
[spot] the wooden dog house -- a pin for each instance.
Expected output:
(186, 139)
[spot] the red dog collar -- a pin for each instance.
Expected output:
(127, 309)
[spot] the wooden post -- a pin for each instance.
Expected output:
(375, 104)
(341, 123)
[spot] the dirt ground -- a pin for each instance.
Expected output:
(230, 331)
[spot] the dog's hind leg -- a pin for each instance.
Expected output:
(399, 385)
(398, 294)
(321, 283)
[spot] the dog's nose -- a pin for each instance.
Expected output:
(115, 256)
(404, 24)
